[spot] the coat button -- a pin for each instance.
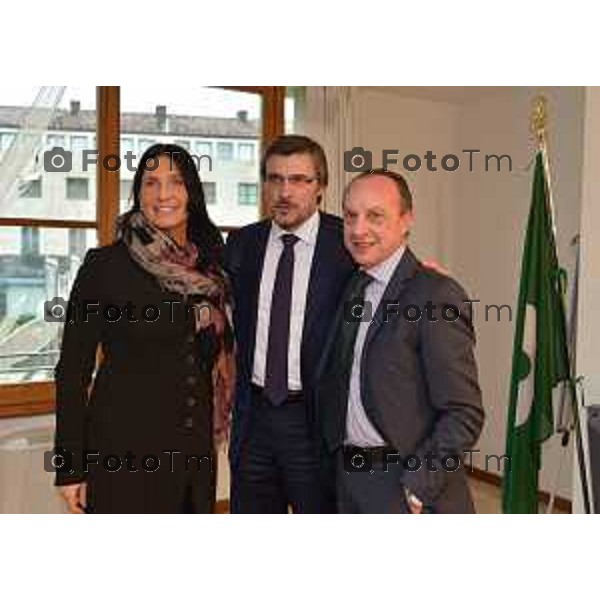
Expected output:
(190, 360)
(190, 401)
(188, 423)
(191, 338)
(191, 380)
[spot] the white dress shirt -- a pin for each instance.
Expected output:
(359, 429)
(303, 257)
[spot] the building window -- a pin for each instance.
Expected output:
(125, 188)
(125, 192)
(203, 149)
(77, 242)
(3, 303)
(126, 146)
(53, 141)
(6, 139)
(247, 194)
(30, 188)
(30, 241)
(144, 144)
(225, 151)
(246, 152)
(77, 188)
(184, 144)
(79, 143)
(210, 192)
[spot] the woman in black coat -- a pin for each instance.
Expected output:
(154, 309)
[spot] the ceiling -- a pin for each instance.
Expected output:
(442, 93)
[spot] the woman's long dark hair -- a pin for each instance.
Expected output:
(200, 229)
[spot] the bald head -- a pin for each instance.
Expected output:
(377, 217)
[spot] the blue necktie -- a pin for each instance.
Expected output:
(276, 374)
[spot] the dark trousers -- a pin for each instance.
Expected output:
(280, 463)
(373, 491)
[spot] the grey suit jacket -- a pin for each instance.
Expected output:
(419, 383)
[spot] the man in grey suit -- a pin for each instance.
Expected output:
(398, 393)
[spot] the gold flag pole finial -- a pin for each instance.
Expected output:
(539, 118)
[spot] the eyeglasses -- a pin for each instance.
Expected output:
(294, 180)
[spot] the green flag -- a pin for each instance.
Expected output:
(540, 355)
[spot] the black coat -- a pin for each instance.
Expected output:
(152, 394)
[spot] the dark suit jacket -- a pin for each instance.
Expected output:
(244, 257)
(152, 392)
(419, 383)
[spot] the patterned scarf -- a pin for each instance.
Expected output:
(175, 269)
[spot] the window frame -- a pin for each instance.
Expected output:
(246, 185)
(247, 146)
(37, 398)
(37, 182)
(213, 198)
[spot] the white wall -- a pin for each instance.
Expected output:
(413, 126)
(488, 227)
(589, 298)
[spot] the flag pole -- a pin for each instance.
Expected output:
(539, 119)
(564, 428)
(572, 389)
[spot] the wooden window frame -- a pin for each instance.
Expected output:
(273, 108)
(37, 398)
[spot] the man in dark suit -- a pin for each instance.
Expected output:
(287, 275)
(398, 395)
